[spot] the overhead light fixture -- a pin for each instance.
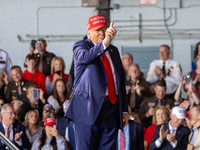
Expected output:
(148, 2)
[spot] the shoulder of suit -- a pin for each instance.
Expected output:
(50, 54)
(144, 82)
(2, 51)
(112, 46)
(29, 82)
(156, 62)
(173, 62)
(152, 98)
(132, 122)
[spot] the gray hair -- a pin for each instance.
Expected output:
(4, 108)
(196, 59)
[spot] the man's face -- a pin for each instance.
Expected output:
(160, 92)
(98, 35)
(31, 64)
(134, 72)
(126, 60)
(164, 53)
(194, 117)
(8, 117)
(16, 75)
(41, 46)
(176, 122)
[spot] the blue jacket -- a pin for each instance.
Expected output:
(136, 136)
(90, 82)
(17, 127)
(182, 135)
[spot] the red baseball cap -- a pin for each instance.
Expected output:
(50, 121)
(95, 22)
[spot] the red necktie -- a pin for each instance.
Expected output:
(111, 85)
(122, 141)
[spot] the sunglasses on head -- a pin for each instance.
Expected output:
(40, 41)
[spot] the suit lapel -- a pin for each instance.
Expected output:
(2, 128)
(178, 132)
(14, 131)
(112, 56)
(90, 44)
(197, 143)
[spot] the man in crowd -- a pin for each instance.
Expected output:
(137, 89)
(98, 105)
(43, 57)
(127, 60)
(166, 69)
(132, 137)
(32, 102)
(171, 135)
(16, 89)
(5, 63)
(148, 105)
(12, 129)
(33, 74)
(194, 136)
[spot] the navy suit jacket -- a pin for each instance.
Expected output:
(62, 124)
(90, 82)
(136, 136)
(17, 127)
(182, 135)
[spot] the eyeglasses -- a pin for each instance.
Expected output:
(41, 41)
(2, 104)
(11, 113)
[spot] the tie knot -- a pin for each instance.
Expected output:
(163, 63)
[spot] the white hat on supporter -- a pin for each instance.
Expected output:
(66, 104)
(179, 112)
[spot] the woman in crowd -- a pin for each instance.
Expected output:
(32, 124)
(57, 72)
(59, 96)
(161, 115)
(50, 138)
(196, 52)
(192, 94)
(195, 75)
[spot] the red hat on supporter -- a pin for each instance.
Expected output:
(95, 22)
(50, 121)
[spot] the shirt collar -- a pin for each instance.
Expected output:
(170, 127)
(165, 61)
(193, 128)
(5, 127)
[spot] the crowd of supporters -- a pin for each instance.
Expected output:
(33, 102)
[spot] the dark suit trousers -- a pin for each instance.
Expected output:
(102, 135)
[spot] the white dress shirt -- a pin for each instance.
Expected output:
(172, 80)
(6, 63)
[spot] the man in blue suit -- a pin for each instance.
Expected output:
(98, 106)
(171, 135)
(13, 130)
(133, 136)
